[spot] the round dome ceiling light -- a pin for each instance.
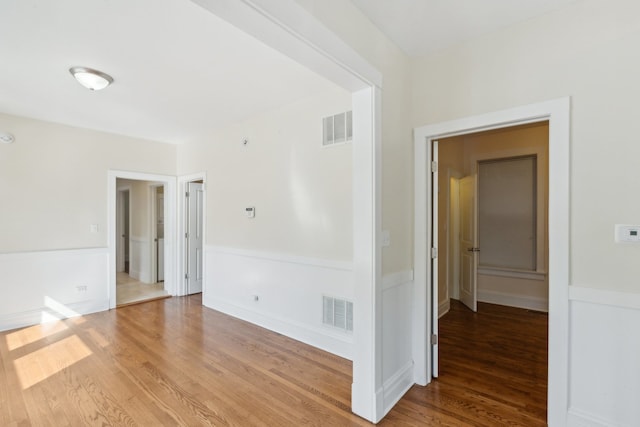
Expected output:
(6, 138)
(90, 78)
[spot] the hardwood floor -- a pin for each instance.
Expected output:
(493, 371)
(174, 362)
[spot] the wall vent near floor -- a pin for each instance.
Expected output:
(337, 129)
(337, 313)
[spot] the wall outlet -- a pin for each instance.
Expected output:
(81, 288)
(94, 228)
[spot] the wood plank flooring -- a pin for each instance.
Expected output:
(175, 362)
(493, 371)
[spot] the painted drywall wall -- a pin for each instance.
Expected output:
(397, 152)
(301, 190)
(586, 50)
(53, 182)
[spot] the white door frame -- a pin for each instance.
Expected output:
(557, 112)
(170, 229)
(182, 229)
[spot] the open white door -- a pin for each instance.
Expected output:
(195, 197)
(469, 242)
(434, 260)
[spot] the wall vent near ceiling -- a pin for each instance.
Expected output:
(337, 129)
(337, 313)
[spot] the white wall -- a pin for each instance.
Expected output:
(345, 20)
(53, 182)
(299, 246)
(586, 51)
(397, 153)
(301, 191)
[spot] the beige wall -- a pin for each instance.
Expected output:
(302, 192)
(588, 51)
(461, 154)
(397, 149)
(53, 182)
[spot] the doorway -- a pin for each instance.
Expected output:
(143, 194)
(492, 218)
(492, 257)
(557, 113)
(140, 225)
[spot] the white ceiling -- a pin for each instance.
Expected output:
(421, 27)
(181, 72)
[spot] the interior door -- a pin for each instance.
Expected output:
(434, 260)
(160, 234)
(195, 198)
(469, 242)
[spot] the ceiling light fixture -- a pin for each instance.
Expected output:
(6, 138)
(90, 78)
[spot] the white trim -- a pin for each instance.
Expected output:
(516, 274)
(56, 252)
(45, 285)
(520, 301)
(170, 278)
(34, 316)
(289, 28)
(577, 418)
(396, 386)
(326, 339)
(604, 297)
(444, 307)
(273, 256)
(394, 280)
(557, 112)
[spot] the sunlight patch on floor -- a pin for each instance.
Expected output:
(32, 334)
(41, 364)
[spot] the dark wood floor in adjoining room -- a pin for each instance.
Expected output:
(174, 362)
(493, 371)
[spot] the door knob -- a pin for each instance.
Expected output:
(473, 249)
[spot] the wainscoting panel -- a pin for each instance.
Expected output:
(140, 259)
(397, 357)
(280, 292)
(604, 368)
(38, 287)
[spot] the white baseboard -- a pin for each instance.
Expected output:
(577, 418)
(526, 302)
(46, 314)
(444, 307)
(280, 292)
(396, 386)
(323, 338)
(44, 285)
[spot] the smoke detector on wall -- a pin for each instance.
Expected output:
(6, 138)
